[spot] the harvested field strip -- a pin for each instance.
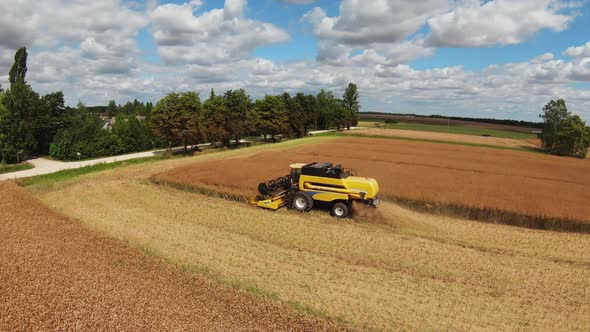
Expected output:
(522, 148)
(547, 191)
(57, 275)
(518, 141)
(403, 271)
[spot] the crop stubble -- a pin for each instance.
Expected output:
(481, 181)
(414, 271)
(55, 274)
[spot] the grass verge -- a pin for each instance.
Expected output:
(48, 179)
(8, 168)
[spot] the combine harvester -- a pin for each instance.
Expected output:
(318, 184)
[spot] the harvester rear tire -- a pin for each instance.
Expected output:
(340, 210)
(302, 201)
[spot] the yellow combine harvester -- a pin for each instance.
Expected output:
(318, 184)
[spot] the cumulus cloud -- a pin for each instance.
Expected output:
(219, 35)
(474, 23)
(377, 33)
(578, 51)
(381, 21)
(100, 60)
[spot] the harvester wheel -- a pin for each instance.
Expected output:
(340, 210)
(302, 201)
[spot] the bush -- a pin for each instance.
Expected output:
(391, 121)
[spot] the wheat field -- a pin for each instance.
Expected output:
(510, 187)
(395, 270)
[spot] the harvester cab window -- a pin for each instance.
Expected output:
(295, 174)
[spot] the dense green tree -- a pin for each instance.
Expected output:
(351, 104)
(295, 116)
(148, 109)
(18, 71)
(564, 134)
(177, 119)
(50, 118)
(309, 106)
(272, 113)
(85, 135)
(112, 109)
(241, 117)
(331, 111)
(217, 120)
(21, 104)
(134, 134)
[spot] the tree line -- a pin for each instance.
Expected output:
(31, 124)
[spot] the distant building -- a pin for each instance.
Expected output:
(108, 125)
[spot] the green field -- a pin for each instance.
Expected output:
(454, 129)
(14, 168)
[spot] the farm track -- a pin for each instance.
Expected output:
(492, 185)
(57, 275)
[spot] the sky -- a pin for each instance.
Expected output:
(493, 59)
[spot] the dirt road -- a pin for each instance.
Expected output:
(57, 275)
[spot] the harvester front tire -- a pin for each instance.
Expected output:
(302, 201)
(340, 210)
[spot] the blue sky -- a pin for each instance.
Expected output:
(495, 58)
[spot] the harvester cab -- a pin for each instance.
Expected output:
(318, 184)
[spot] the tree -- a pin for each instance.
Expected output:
(177, 119)
(309, 107)
(241, 118)
(331, 111)
(50, 118)
(18, 71)
(18, 124)
(112, 109)
(295, 115)
(217, 119)
(272, 116)
(564, 134)
(133, 133)
(84, 134)
(351, 104)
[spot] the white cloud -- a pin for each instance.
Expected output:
(578, 51)
(474, 23)
(377, 32)
(380, 21)
(201, 50)
(220, 35)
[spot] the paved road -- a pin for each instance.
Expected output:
(47, 166)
